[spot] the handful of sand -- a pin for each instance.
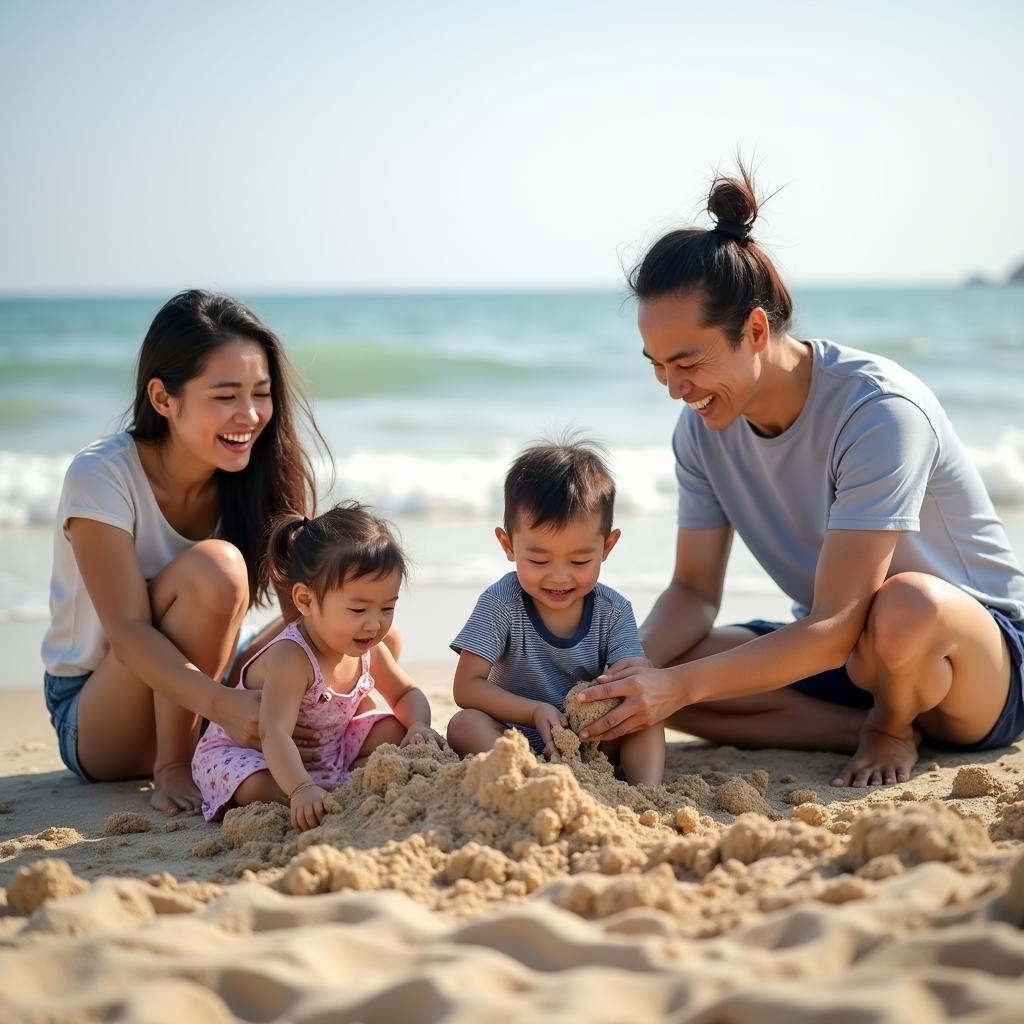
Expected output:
(581, 715)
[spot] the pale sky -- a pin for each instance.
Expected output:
(403, 146)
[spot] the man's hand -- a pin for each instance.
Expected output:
(649, 695)
(545, 718)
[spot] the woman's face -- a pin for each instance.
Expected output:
(220, 414)
(698, 364)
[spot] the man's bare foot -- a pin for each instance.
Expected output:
(881, 759)
(174, 792)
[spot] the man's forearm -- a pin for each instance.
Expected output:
(679, 619)
(796, 651)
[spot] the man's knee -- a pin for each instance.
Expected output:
(903, 619)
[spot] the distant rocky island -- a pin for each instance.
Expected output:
(984, 281)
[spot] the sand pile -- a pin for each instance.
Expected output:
(444, 891)
(463, 837)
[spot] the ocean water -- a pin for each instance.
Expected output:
(424, 398)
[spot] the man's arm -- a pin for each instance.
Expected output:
(685, 611)
(853, 564)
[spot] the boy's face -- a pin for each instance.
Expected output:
(558, 567)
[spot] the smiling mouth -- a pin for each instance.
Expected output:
(702, 403)
(236, 441)
(558, 595)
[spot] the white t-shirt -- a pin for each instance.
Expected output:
(105, 482)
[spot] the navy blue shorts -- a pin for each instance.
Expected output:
(835, 687)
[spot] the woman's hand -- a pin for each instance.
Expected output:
(545, 718)
(237, 712)
(650, 695)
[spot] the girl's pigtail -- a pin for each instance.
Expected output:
(284, 533)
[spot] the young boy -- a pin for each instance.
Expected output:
(540, 630)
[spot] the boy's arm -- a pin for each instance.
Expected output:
(287, 674)
(472, 689)
(405, 698)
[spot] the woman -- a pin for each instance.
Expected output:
(159, 549)
(843, 476)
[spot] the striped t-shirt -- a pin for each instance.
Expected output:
(529, 660)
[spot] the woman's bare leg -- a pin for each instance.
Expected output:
(198, 601)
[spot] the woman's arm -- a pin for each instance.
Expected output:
(853, 564)
(472, 689)
(113, 578)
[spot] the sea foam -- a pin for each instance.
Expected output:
(454, 486)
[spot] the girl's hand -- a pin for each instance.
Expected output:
(307, 804)
(545, 718)
(650, 695)
(420, 732)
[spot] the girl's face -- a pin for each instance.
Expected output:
(698, 364)
(220, 414)
(354, 617)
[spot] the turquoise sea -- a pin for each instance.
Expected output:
(423, 398)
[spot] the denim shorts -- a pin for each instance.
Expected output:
(835, 687)
(62, 694)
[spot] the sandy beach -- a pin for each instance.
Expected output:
(745, 889)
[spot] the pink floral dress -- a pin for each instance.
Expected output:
(220, 766)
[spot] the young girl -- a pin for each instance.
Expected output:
(343, 570)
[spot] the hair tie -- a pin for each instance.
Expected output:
(305, 521)
(738, 231)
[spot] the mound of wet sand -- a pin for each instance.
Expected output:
(526, 875)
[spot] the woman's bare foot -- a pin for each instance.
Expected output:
(882, 759)
(174, 792)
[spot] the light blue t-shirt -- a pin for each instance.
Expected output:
(872, 449)
(529, 660)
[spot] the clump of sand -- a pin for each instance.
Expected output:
(918, 832)
(43, 880)
(580, 715)
(122, 823)
(54, 838)
(975, 780)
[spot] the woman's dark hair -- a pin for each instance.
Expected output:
(722, 265)
(345, 542)
(279, 476)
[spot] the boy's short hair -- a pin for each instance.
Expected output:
(557, 482)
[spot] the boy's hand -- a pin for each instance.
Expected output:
(545, 718)
(420, 732)
(307, 804)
